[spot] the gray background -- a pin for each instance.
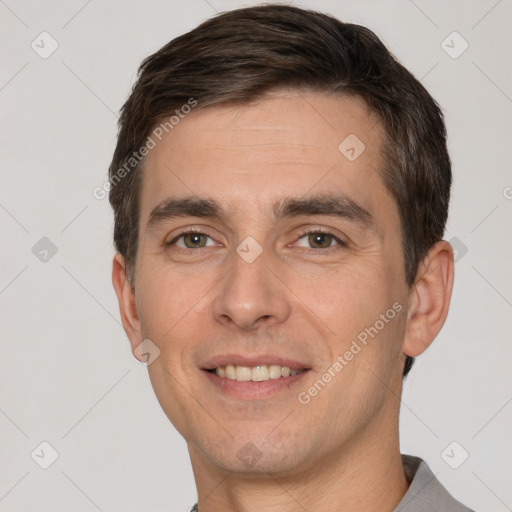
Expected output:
(67, 373)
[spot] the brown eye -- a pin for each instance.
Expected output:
(193, 240)
(320, 240)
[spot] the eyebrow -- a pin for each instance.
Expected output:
(333, 205)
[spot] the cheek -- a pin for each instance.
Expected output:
(168, 300)
(347, 299)
(363, 311)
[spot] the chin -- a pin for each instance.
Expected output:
(258, 456)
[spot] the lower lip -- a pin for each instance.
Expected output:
(251, 390)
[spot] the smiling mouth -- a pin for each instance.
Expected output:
(255, 373)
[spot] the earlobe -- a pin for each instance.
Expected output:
(126, 299)
(429, 299)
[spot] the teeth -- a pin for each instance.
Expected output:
(259, 373)
(230, 372)
(243, 373)
(274, 371)
(255, 373)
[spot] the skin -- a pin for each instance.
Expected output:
(296, 299)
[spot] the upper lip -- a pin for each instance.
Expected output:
(264, 359)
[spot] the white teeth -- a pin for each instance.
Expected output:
(230, 372)
(243, 373)
(256, 373)
(274, 371)
(260, 373)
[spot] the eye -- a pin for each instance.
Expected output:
(192, 240)
(319, 240)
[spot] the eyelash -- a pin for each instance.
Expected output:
(187, 232)
(340, 243)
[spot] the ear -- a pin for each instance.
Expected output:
(126, 298)
(429, 299)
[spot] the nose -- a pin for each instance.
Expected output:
(251, 295)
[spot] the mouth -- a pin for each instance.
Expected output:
(258, 373)
(253, 378)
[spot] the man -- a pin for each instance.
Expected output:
(280, 188)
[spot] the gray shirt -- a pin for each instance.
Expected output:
(425, 493)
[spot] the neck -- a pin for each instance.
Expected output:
(363, 474)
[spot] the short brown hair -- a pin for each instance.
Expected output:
(240, 55)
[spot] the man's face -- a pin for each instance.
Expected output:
(275, 274)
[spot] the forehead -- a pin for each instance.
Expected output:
(287, 143)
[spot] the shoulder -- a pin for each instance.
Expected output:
(425, 492)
